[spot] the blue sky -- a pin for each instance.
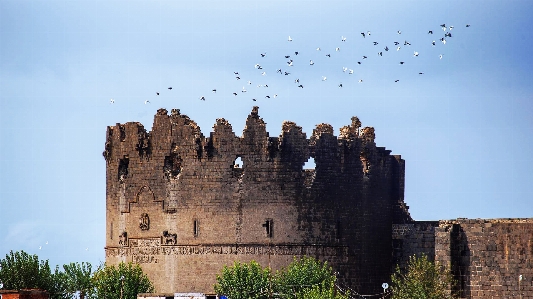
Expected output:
(464, 126)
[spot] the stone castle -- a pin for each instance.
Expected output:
(184, 205)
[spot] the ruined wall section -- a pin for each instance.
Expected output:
(490, 258)
(177, 200)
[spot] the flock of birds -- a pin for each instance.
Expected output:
(294, 58)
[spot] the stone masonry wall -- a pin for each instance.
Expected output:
(178, 204)
(490, 258)
(410, 239)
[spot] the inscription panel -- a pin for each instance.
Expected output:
(148, 250)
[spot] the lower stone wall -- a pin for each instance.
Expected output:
(194, 268)
(489, 258)
(412, 238)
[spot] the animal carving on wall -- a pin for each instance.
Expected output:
(169, 239)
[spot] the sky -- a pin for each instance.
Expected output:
(463, 126)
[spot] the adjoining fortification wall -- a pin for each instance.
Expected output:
(410, 239)
(490, 258)
(178, 204)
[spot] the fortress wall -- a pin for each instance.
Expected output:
(410, 239)
(488, 256)
(177, 203)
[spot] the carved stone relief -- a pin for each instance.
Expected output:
(123, 239)
(169, 239)
(144, 222)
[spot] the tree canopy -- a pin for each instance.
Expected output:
(20, 270)
(303, 278)
(123, 281)
(422, 279)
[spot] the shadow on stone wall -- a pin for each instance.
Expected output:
(460, 261)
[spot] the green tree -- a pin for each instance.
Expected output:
(303, 278)
(306, 276)
(422, 279)
(322, 291)
(20, 270)
(78, 278)
(244, 281)
(123, 281)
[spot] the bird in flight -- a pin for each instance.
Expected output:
(263, 54)
(311, 62)
(324, 78)
(157, 93)
(170, 88)
(396, 80)
(376, 43)
(235, 94)
(290, 39)
(301, 86)
(202, 98)
(112, 101)
(340, 85)
(343, 38)
(440, 56)
(146, 102)
(415, 54)
(214, 91)
(363, 34)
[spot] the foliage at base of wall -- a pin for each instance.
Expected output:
(422, 279)
(303, 278)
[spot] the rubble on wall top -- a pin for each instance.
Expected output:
(490, 220)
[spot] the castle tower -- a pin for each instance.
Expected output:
(183, 205)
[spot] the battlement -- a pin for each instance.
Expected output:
(177, 133)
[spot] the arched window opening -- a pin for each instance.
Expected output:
(238, 163)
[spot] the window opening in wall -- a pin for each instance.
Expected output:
(195, 228)
(111, 231)
(122, 133)
(310, 164)
(338, 230)
(238, 163)
(172, 166)
(269, 226)
(123, 168)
